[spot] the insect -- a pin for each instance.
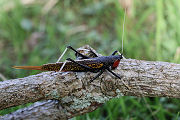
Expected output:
(97, 64)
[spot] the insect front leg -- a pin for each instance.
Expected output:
(114, 52)
(118, 77)
(118, 54)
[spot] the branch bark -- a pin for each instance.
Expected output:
(70, 94)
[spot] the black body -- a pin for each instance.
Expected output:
(106, 63)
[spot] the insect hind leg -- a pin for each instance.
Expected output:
(62, 54)
(83, 56)
(84, 66)
(69, 47)
(87, 67)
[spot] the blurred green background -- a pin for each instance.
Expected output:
(35, 32)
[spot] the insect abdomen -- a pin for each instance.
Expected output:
(52, 67)
(68, 67)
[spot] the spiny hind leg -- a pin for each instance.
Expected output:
(84, 66)
(83, 56)
(88, 51)
(69, 59)
(69, 47)
(62, 55)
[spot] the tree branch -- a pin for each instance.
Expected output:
(72, 94)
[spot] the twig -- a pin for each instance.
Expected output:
(74, 96)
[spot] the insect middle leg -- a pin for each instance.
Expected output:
(100, 73)
(118, 77)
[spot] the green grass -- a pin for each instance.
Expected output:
(152, 32)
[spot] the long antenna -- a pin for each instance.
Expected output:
(123, 31)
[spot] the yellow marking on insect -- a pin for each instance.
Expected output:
(99, 65)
